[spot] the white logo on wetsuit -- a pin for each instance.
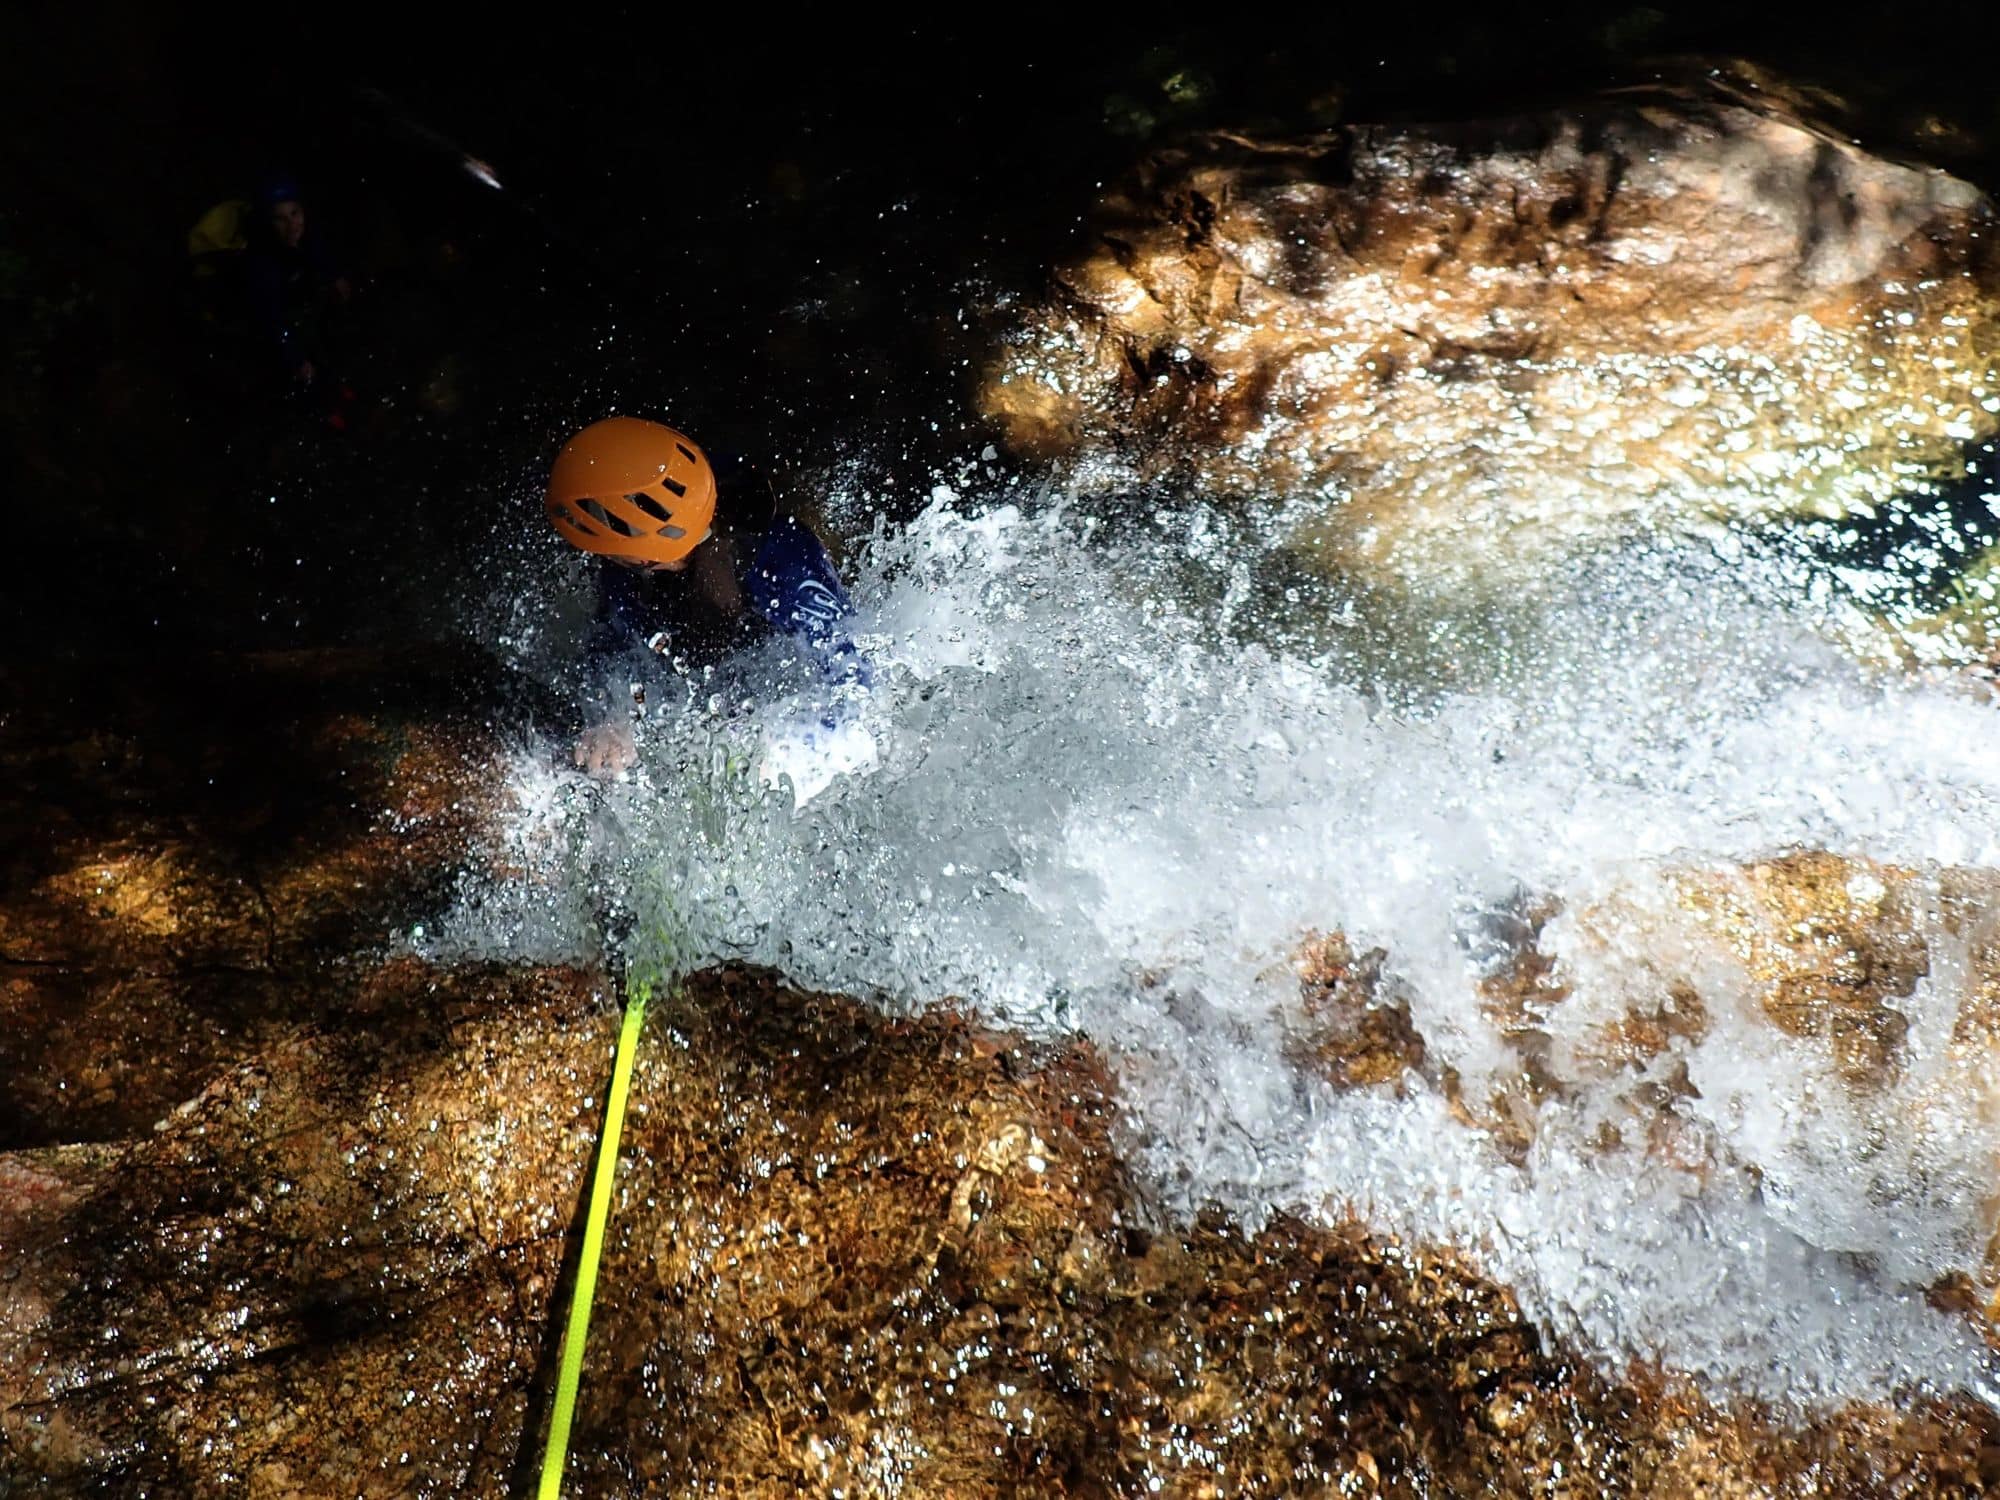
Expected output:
(815, 601)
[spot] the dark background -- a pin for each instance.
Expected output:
(761, 228)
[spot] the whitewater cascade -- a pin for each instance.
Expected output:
(1130, 762)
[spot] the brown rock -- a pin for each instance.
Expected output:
(845, 1255)
(1658, 306)
(1832, 943)
(314, 1243)
(1350, 1032)
(1831, 946)
(333, 1262)
(1831, 950)
(1826, 950)
(178, 876)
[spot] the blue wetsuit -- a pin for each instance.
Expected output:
(784, 577)
(282, 285)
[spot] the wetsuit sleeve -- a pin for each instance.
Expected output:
(615, 639)
(793, 586)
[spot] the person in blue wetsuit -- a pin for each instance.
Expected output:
(290, 276)
(701, 558)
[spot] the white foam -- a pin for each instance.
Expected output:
(1122, 774)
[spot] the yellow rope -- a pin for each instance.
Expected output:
(555, 1458)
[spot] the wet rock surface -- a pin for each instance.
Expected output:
(1668, 305)
(850, 1256)
(196, 851)
(298, 1224)
(324, 1273)
(1867, 992)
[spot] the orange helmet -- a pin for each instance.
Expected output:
(633, 490)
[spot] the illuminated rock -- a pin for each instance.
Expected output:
(282, 1213)
(1450, 344)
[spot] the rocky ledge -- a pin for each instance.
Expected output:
(1453, 344)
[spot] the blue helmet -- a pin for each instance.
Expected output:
(278, 187)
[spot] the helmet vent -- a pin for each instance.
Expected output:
(604, 517)
(688, 453)
(650, 506)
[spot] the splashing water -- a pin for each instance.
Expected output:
(1127, 766)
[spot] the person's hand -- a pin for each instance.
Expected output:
(606, 749)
